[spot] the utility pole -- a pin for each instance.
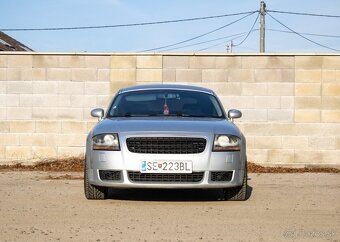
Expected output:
(262, 26)
(227, 48)
(230, 47)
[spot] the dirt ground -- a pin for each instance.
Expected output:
(76, 164)
(50, 206)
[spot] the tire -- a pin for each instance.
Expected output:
(237, 193)
(93, 192)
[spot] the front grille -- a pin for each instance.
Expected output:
(110, 175)
(169, 178)
(166, 145)
(219, 176)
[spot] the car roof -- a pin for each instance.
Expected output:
(165, 86)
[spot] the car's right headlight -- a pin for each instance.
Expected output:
(224, 142)
(105, 142)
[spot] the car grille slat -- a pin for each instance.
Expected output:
(166, 177)
(166, 145)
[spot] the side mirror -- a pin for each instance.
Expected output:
(234, 113)
(98, 112)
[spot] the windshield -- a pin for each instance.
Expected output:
(165, 103)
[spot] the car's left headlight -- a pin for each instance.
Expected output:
(105, 142)
(223, 142)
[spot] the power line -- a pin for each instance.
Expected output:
(247, 48)
(251, 30)
(311, 34)
(219, 44)
(215, 45)
(222, 43)
(127, 25)
(161, 22)
(306, 14)
(302, 35)
(201, 35)
(204, 42)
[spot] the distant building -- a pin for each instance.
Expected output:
(7, 43)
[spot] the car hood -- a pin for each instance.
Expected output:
(166, 124)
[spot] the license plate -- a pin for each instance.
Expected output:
(166, 167)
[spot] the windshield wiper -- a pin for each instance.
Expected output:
(165, 115)
(184, 115)
(130, 115)
(176, 115)
(156, 115)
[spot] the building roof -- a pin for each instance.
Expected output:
(7, 43)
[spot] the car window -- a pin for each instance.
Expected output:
(165, 103)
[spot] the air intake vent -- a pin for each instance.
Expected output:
(166, 178)
(221, 176)
(110, 175)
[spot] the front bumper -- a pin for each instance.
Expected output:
(125, 182)
(205, 163)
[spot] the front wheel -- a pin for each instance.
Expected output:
(237, 193)
(93, 192)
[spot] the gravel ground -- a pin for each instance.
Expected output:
(50, 206)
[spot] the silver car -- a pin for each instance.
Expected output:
(165, 136)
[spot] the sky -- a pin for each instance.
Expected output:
(70, 13)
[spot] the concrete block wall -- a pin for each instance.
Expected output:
(290, 103)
